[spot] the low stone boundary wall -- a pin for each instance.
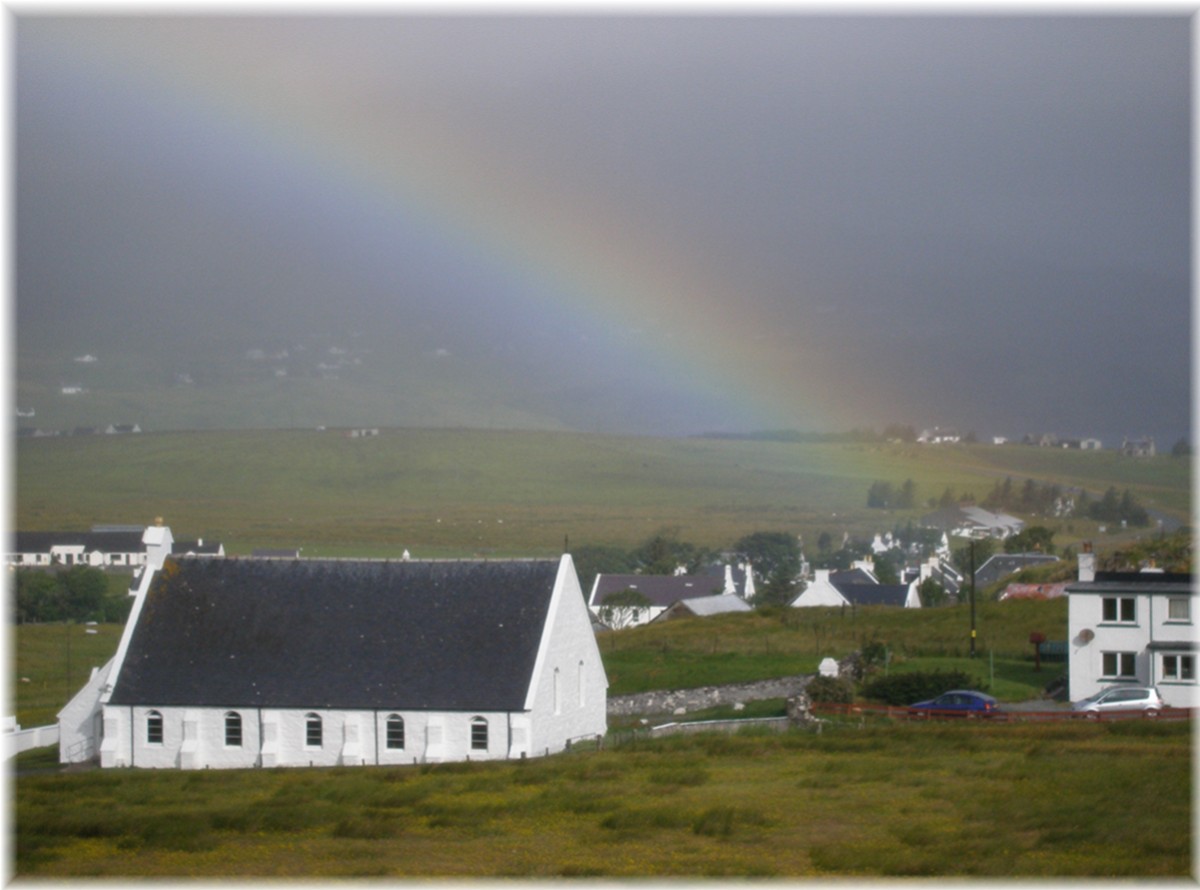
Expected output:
(682, 701)
(779, 724)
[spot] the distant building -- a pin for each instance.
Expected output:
(1138, 447)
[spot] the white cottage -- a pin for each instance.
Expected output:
(1133, 628)
(242, 663)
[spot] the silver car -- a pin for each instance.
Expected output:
(1122, 698)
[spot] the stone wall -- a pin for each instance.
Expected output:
(683, 701)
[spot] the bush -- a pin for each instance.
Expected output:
(830, 689)
(906, 688)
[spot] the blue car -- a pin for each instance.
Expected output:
(956, 703)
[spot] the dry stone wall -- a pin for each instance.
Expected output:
(683, 701)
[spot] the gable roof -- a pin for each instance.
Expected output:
(338, 634)
(704, 606)
(660, 590)
(874, 594)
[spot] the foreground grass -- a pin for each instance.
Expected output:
(893, 800)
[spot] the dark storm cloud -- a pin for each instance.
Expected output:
(974, 220)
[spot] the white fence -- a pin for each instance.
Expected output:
(18, 740)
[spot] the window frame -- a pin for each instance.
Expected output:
(313, 721)
(394, 733)
(154, 728)
(233, 730)
(1119, 604)
(1174, 601)
(1183, 667)
(1122, 660)
(479, 734)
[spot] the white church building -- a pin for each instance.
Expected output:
(261, 663)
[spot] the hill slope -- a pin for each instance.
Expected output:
(452, 492)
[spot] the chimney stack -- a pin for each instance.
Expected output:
(1087, 562)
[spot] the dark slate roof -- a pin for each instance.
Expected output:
(661, 590)
(338, 634)
(851, 576)
(874, 594)
(1168, 583)
(1001, 565)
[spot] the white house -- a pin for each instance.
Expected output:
(1132, 628)
(827, 589)
(660, 592)
(229, 663)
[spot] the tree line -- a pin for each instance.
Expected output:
(79, 593)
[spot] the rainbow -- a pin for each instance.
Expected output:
(578, 253)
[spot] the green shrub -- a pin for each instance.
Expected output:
(830, 689)
(906, 688)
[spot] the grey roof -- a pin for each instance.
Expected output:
(852, 576)
(712, 605)
(1167, 583)
(338, 634)
(874, 594)
(660, 590)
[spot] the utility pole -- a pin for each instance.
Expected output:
(972, 598)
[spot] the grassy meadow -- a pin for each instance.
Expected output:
(466, 492)
(908, 800)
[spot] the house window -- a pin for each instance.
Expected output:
(1120, 609)
(1179, 608)
(154, 728)
(395, 731)
(233, 730)
(1179, 667)
(479, 734)
(1119, 665)
(312, 731)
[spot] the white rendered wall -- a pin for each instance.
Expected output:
(568, 697)
(820, 592)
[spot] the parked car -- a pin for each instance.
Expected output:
(1121, 698)
(956, 703)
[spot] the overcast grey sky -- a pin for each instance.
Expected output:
(638, 223)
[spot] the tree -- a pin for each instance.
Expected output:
(880, 495)
(907, 498)
(1181, 448)
(623, 608)
(663, 553)
(769, 553)
(595, 559)
(932, 593)
(1035, 538)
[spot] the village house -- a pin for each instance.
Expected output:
(663, 591)
(972, 522)
(102, 547)
(856, 587)
(261, 663)
(1132, 628)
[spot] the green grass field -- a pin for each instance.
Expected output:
(464, 492)
(900, 800)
